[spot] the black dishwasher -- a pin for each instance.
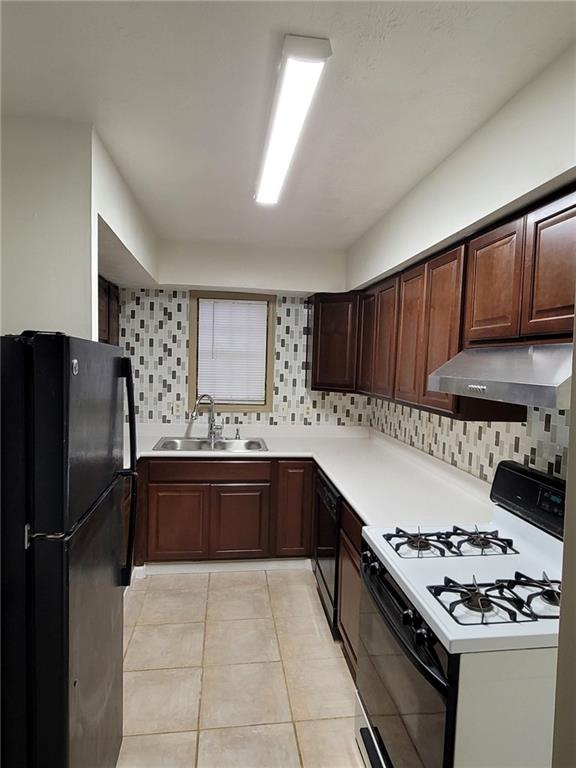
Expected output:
(326, 533)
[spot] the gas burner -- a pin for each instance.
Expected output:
(457, 542)
(483, 542)
(420, 544)
(542, 596)
(490, 603)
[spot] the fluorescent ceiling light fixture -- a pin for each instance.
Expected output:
(302, 64)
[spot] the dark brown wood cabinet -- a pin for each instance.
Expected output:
(366, 343)
(178, 519)
(494, 283)
(193, 509)
(294, 508)
(385, 332)
(239, 520)
(349, 594)
(410, 327)
(108, 312)
(334, 342)
(549, 279)
(441, 324)
(349, 580)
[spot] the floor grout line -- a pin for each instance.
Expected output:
(300, 759)
(202, 666)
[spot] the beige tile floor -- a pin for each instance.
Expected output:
(234, 670)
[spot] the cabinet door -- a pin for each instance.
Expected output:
(102, 310)
(493, 283)
(410, 322)
(349, 595)
(294, 508)
(178, 517)
(335, 343)
(442, 312)
(386, 325)
(550, 269)
(366, 343)
(113, 314)
(239, 520)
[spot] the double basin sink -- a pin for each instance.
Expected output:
(205, 444)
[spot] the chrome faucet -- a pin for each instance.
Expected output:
(203, 400)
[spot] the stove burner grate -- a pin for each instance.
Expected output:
(545, 589)
(458, 541)
(436, 542)
(484, 541)
(494, 602)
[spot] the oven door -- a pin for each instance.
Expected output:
(404, 688)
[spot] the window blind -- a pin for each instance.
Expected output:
(232, 350)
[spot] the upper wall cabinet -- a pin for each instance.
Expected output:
(108, 312)
(442, 313)
(494, 283)
(550, 269)
(410, 326)
(366, 343)
(428, 327)
(334, 341)
(521, 277)
(386, 325)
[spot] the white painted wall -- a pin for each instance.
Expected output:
(115, 203)
(46, 233)
(237, 267)
(113, 200)
(528, 143)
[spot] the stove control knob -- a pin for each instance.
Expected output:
(375, 568)
(421, 637)
(408, 617)
(367, 557)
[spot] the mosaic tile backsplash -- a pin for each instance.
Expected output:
(154, 331)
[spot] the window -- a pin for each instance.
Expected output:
(232, 349)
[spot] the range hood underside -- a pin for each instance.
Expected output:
(537, 375)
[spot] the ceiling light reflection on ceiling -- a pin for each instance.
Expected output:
(303, 61)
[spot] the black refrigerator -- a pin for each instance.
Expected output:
(66, 549)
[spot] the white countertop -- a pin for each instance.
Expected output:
(384, 481)
(391, 484)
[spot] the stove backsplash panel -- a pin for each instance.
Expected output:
(154, 331)
(478, 447)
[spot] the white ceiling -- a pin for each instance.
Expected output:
(180, 94)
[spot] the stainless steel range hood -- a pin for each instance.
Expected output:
(535, 375)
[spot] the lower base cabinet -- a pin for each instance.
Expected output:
(178, 520)
(349, 580)
(239, 520)
(196, 510)
(294, 508)
(349, 597)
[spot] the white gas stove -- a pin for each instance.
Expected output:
(477, 586)
(458, 634)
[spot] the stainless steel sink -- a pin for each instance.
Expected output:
(203, 444)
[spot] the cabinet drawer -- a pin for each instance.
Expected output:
(187, 470)
(352, 526)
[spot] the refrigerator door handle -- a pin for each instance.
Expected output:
(63, 537)
(126, 572)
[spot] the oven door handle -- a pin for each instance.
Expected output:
(432, 673)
